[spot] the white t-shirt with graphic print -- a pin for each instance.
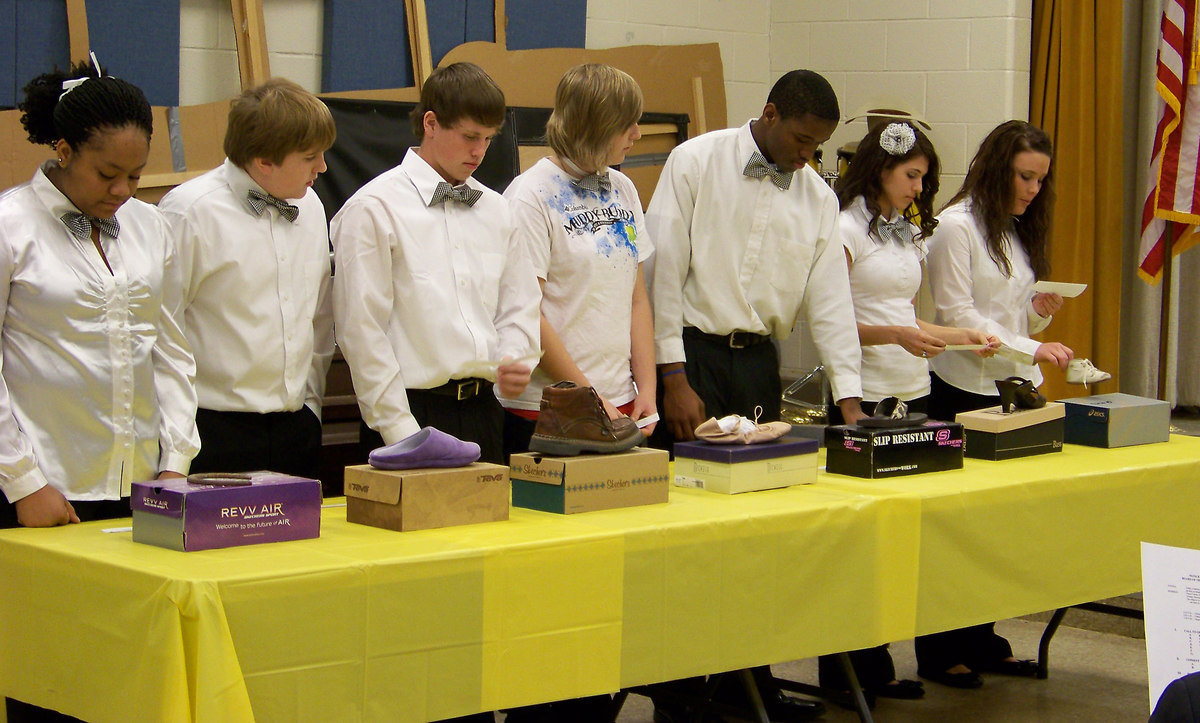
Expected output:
(587, 246)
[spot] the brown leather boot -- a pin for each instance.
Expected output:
(572, 420)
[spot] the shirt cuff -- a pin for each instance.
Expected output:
(403, 429)
(845, 385)
(669, 351)
(174, 462)
(25, 485)
(1036, 321)
(315, 407)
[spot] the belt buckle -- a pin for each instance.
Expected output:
(733, 344)
(470, 384)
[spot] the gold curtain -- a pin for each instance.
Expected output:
(1075, 91)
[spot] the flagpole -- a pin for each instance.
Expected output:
(1164, 317)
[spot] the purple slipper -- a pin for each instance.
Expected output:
(427, 448)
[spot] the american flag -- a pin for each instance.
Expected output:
(1172, 208)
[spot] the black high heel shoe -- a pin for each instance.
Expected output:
(1019, 393)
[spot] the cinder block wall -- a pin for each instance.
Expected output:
(963, 64)
(208, 69)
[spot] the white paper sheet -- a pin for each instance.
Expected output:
(1171, 594)
(1065, 289)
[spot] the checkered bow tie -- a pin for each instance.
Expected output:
(259, 202)
(81, 225)
(462, 193)
(593, 182)
(759, 167)
(899, 230)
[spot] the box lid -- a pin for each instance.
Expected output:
(734, 453)
(384, 485)
(991, 419)
(1115, 400)
(169, 496)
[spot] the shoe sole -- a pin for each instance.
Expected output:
(559, 447)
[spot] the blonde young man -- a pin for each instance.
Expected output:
(252, 240)
(430, 282)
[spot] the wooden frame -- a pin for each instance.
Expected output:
(250, 31)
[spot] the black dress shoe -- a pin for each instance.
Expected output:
(783, 708)
(1019, 668)
(901, 689)
(954, 680)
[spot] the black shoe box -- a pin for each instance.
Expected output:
(876, 453)
(992, 434)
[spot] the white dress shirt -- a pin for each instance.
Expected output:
(738, 254)
(587, 246)
(420, 292)
(95, 388)
(256, 293)
(885, 275)
(970, 290)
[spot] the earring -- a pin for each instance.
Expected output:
(60, 163)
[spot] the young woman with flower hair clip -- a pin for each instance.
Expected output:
(886, 197)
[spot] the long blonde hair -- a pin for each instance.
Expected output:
(592, 104)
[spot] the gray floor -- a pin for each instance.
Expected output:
(1097, 670)
(1094, 676)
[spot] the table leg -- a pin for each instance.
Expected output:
(1043, 671)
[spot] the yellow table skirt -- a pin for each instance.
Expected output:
(367, 624)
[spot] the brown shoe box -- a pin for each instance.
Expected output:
(992, 434)
(420, 499)
(567, 485)
(876, 453)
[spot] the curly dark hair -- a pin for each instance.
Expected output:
(989, 185)
(863, 178)
(101, 102)
(799, 92)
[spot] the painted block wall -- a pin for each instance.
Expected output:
(963, 64)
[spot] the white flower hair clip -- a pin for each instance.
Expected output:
(897, 139)
(70, 85)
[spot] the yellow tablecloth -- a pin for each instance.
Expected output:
(370, 624)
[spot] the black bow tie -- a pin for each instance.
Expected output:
(462, 193)
(259, 202)
(759, 167)
(593, 182)
(81, 225)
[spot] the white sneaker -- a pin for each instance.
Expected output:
(1082, 371)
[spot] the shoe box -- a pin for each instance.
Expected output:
(892, 452)
(421, 499)
(735, 468)
(188, 516)
(992, 434)
(587, 482)
(1116, 420)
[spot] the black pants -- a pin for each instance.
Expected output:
(479, 419)
(872, 666)
(978, 644)
(518, 431)
(285, 442)
(728, 381)
(947, 400)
